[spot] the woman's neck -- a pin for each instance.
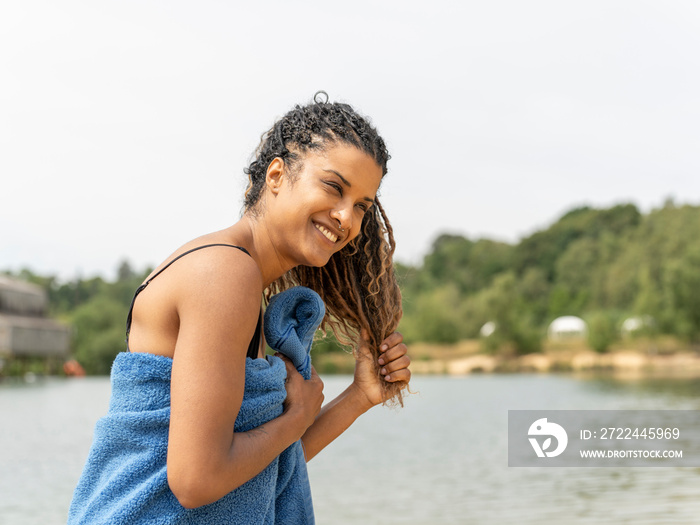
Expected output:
(253, 234)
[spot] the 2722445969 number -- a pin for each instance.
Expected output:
(639, 433)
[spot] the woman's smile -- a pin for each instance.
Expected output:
(326, 233)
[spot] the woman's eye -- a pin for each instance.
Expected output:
(337, 187)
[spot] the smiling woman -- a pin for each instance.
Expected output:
(202, 426)
(357, 283)
(319, 199)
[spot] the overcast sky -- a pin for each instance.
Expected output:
(125, 125)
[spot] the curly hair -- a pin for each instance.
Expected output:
(358, 284)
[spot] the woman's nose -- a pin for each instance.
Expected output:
(344, 218)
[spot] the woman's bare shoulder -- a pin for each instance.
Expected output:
(217, 293)
(199, 292)
(219, 269)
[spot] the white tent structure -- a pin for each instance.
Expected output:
(633, 325)
(488, 329)
(567, 327)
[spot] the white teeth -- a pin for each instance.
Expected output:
(329, 235)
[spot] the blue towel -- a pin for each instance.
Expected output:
(291, 319)
(125, 481)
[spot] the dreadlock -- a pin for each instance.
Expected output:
(358, 284)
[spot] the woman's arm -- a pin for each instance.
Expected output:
(364, 393)
(217, 298)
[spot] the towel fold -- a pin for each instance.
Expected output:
(125, 480)
(291, 319)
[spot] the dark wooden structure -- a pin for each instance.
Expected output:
(25, 331)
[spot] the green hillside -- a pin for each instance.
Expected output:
(604, 265)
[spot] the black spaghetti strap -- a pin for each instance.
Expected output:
(185, 253)
(254, 343)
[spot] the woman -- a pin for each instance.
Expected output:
(311, 218)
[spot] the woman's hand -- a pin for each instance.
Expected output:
(304, 397)
(365, 392)
(394, 362)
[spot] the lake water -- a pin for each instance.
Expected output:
(440, 460)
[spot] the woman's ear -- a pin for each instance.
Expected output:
(275, 175)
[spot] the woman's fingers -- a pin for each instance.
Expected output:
(291, 370)
(304, 398)
(392, 354)
(397, 370)
(397, 364)
(401, 375)
(392, 340)
(394, 359)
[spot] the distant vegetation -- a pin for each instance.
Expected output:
(604, 265)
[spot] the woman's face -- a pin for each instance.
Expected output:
(320, 208)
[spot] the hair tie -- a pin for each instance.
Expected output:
(318, 97)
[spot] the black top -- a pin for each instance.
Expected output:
(253, 347)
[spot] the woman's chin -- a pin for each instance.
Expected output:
(317, 259)
(319, 263)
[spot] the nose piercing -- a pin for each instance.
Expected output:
(339, 226)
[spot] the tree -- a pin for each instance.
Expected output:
(124, 272)
(683, 285)
(98, 334)
(503, 302)
(466, 264)
(434, 317)
(602, 330)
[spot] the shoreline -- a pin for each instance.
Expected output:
(641, 358)
(628, 363)
(661, 359)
